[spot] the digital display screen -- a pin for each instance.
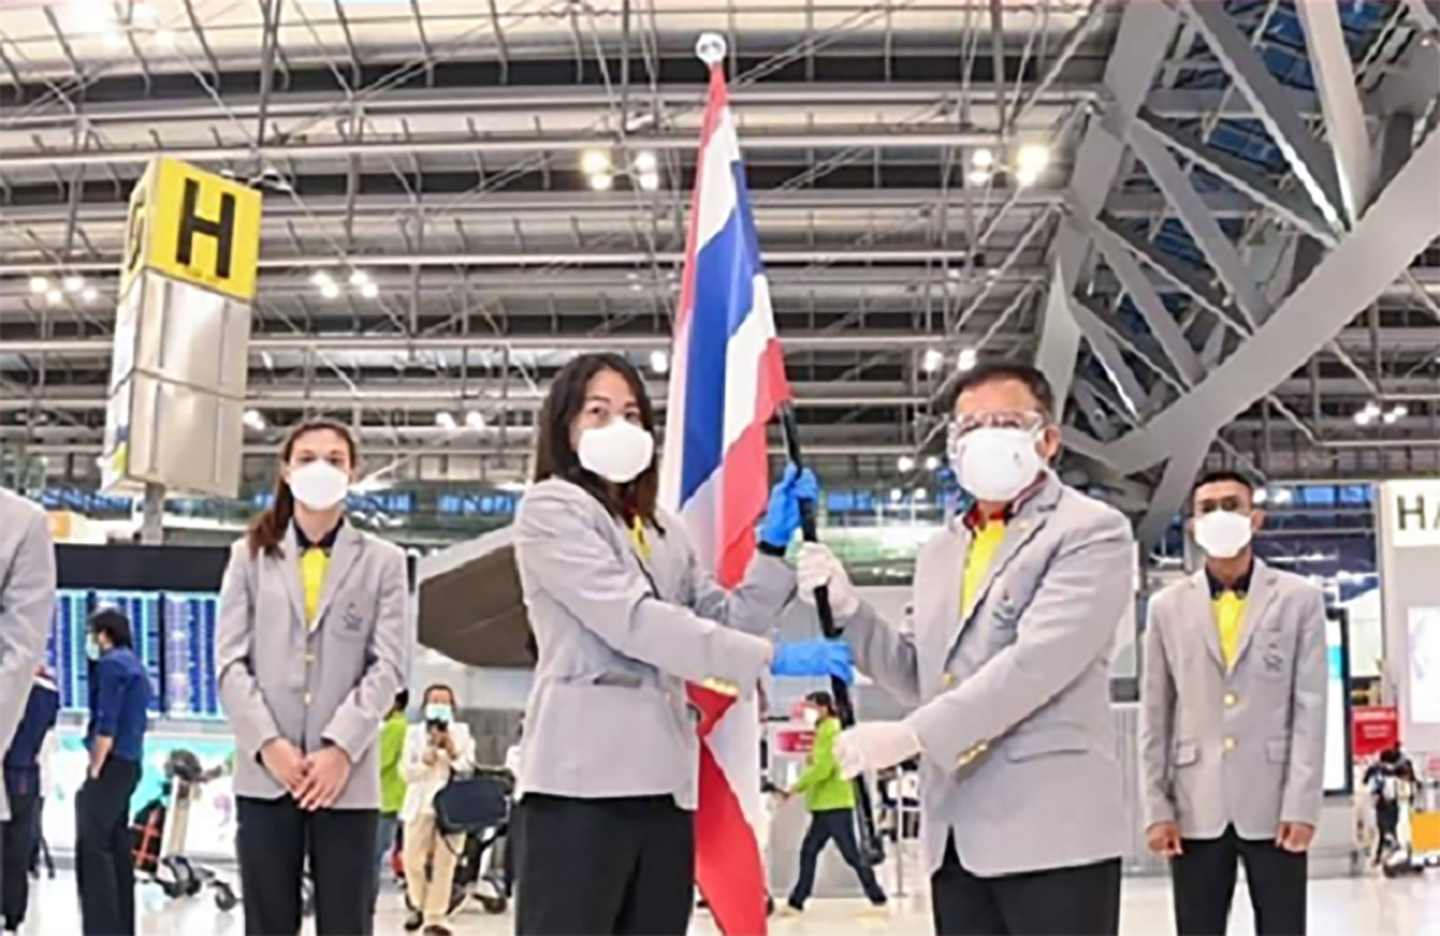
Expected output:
(174, 636)
(1337, 701)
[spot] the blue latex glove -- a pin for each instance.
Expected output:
(814, 658)
(782, 517)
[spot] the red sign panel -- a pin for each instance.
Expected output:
(794, 740)
(1375, 728)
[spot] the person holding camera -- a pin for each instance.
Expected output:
(435, 749)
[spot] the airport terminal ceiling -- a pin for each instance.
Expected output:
(1214, 225)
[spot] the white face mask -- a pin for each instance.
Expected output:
(812, 717)
(319, 485)
(1223, 534)
(996, 464)
(619, 451)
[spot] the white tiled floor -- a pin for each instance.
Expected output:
(1339, 907)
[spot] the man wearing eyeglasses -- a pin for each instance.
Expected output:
(1232, 731)
(1016, 605)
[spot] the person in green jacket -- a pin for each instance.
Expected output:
(392, 787)
(831, 801)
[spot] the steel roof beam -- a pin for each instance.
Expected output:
(1185, 278)
(520, 146)
(1273, 107)
(1190, 209)
(1243, 175)
(1340, 99)
(1140, 46)
(1404, 220)
(622, 205)
(1146, 297)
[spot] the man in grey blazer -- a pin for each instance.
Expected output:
(1016, 605)
(27, 601)
(1232, 731)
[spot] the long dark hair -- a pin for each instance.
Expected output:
(555, 457)
(267, 530)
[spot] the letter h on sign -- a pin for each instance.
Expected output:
(1405, 512)
(192, 224)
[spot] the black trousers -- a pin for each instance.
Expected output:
(17, 841)
(1204, 884)
(104, 869)
(837, 824)
(603, 866)
(1079, 901)
(1387, 824)
(274, 839)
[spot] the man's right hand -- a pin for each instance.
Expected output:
(817, 566)
(1164, 839)
(285, 762)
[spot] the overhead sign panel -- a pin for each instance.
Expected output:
(194, 226)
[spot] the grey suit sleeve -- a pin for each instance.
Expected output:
(1157, 723)
(355, 726)
(1305, 778)
(1067, 626)
(755, 605)
(559, 553)
(245, 706)
(884, 653)
(27, 604)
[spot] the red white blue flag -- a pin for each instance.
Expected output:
(727, 379)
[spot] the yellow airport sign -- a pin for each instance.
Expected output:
(194, 226)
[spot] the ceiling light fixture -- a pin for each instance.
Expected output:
(445, 421)
(54, 297)
(475, 420)
(73, 283)
(932, 362)
(595, 162)
(602, 182)
(39, 285)
(982, 158)
(1033, 156)
(90, 294)
(967, 360)
(978, 177)
(650, 181)
(369, 290)
(659, 362)
(645, 161)
(905, 464)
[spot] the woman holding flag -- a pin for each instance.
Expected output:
(625, 616)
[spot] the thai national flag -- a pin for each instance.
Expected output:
(727, 378)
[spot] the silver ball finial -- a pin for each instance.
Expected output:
(710, 48)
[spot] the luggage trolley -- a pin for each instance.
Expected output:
(168, 820)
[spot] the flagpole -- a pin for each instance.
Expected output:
(869, 839)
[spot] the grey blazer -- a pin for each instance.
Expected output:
(619, 638)
(1244, 747)
(1019, 761)
(27, 605)
(278, 678)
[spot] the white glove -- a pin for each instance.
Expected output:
(817, 566)
(872, 746)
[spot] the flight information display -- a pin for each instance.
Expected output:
(174, 635)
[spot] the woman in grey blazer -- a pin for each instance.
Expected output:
(312, 642)
(625, 615)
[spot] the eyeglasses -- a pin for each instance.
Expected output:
(1025, 420)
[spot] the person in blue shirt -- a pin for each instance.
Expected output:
(119, 697)
(19, 834)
